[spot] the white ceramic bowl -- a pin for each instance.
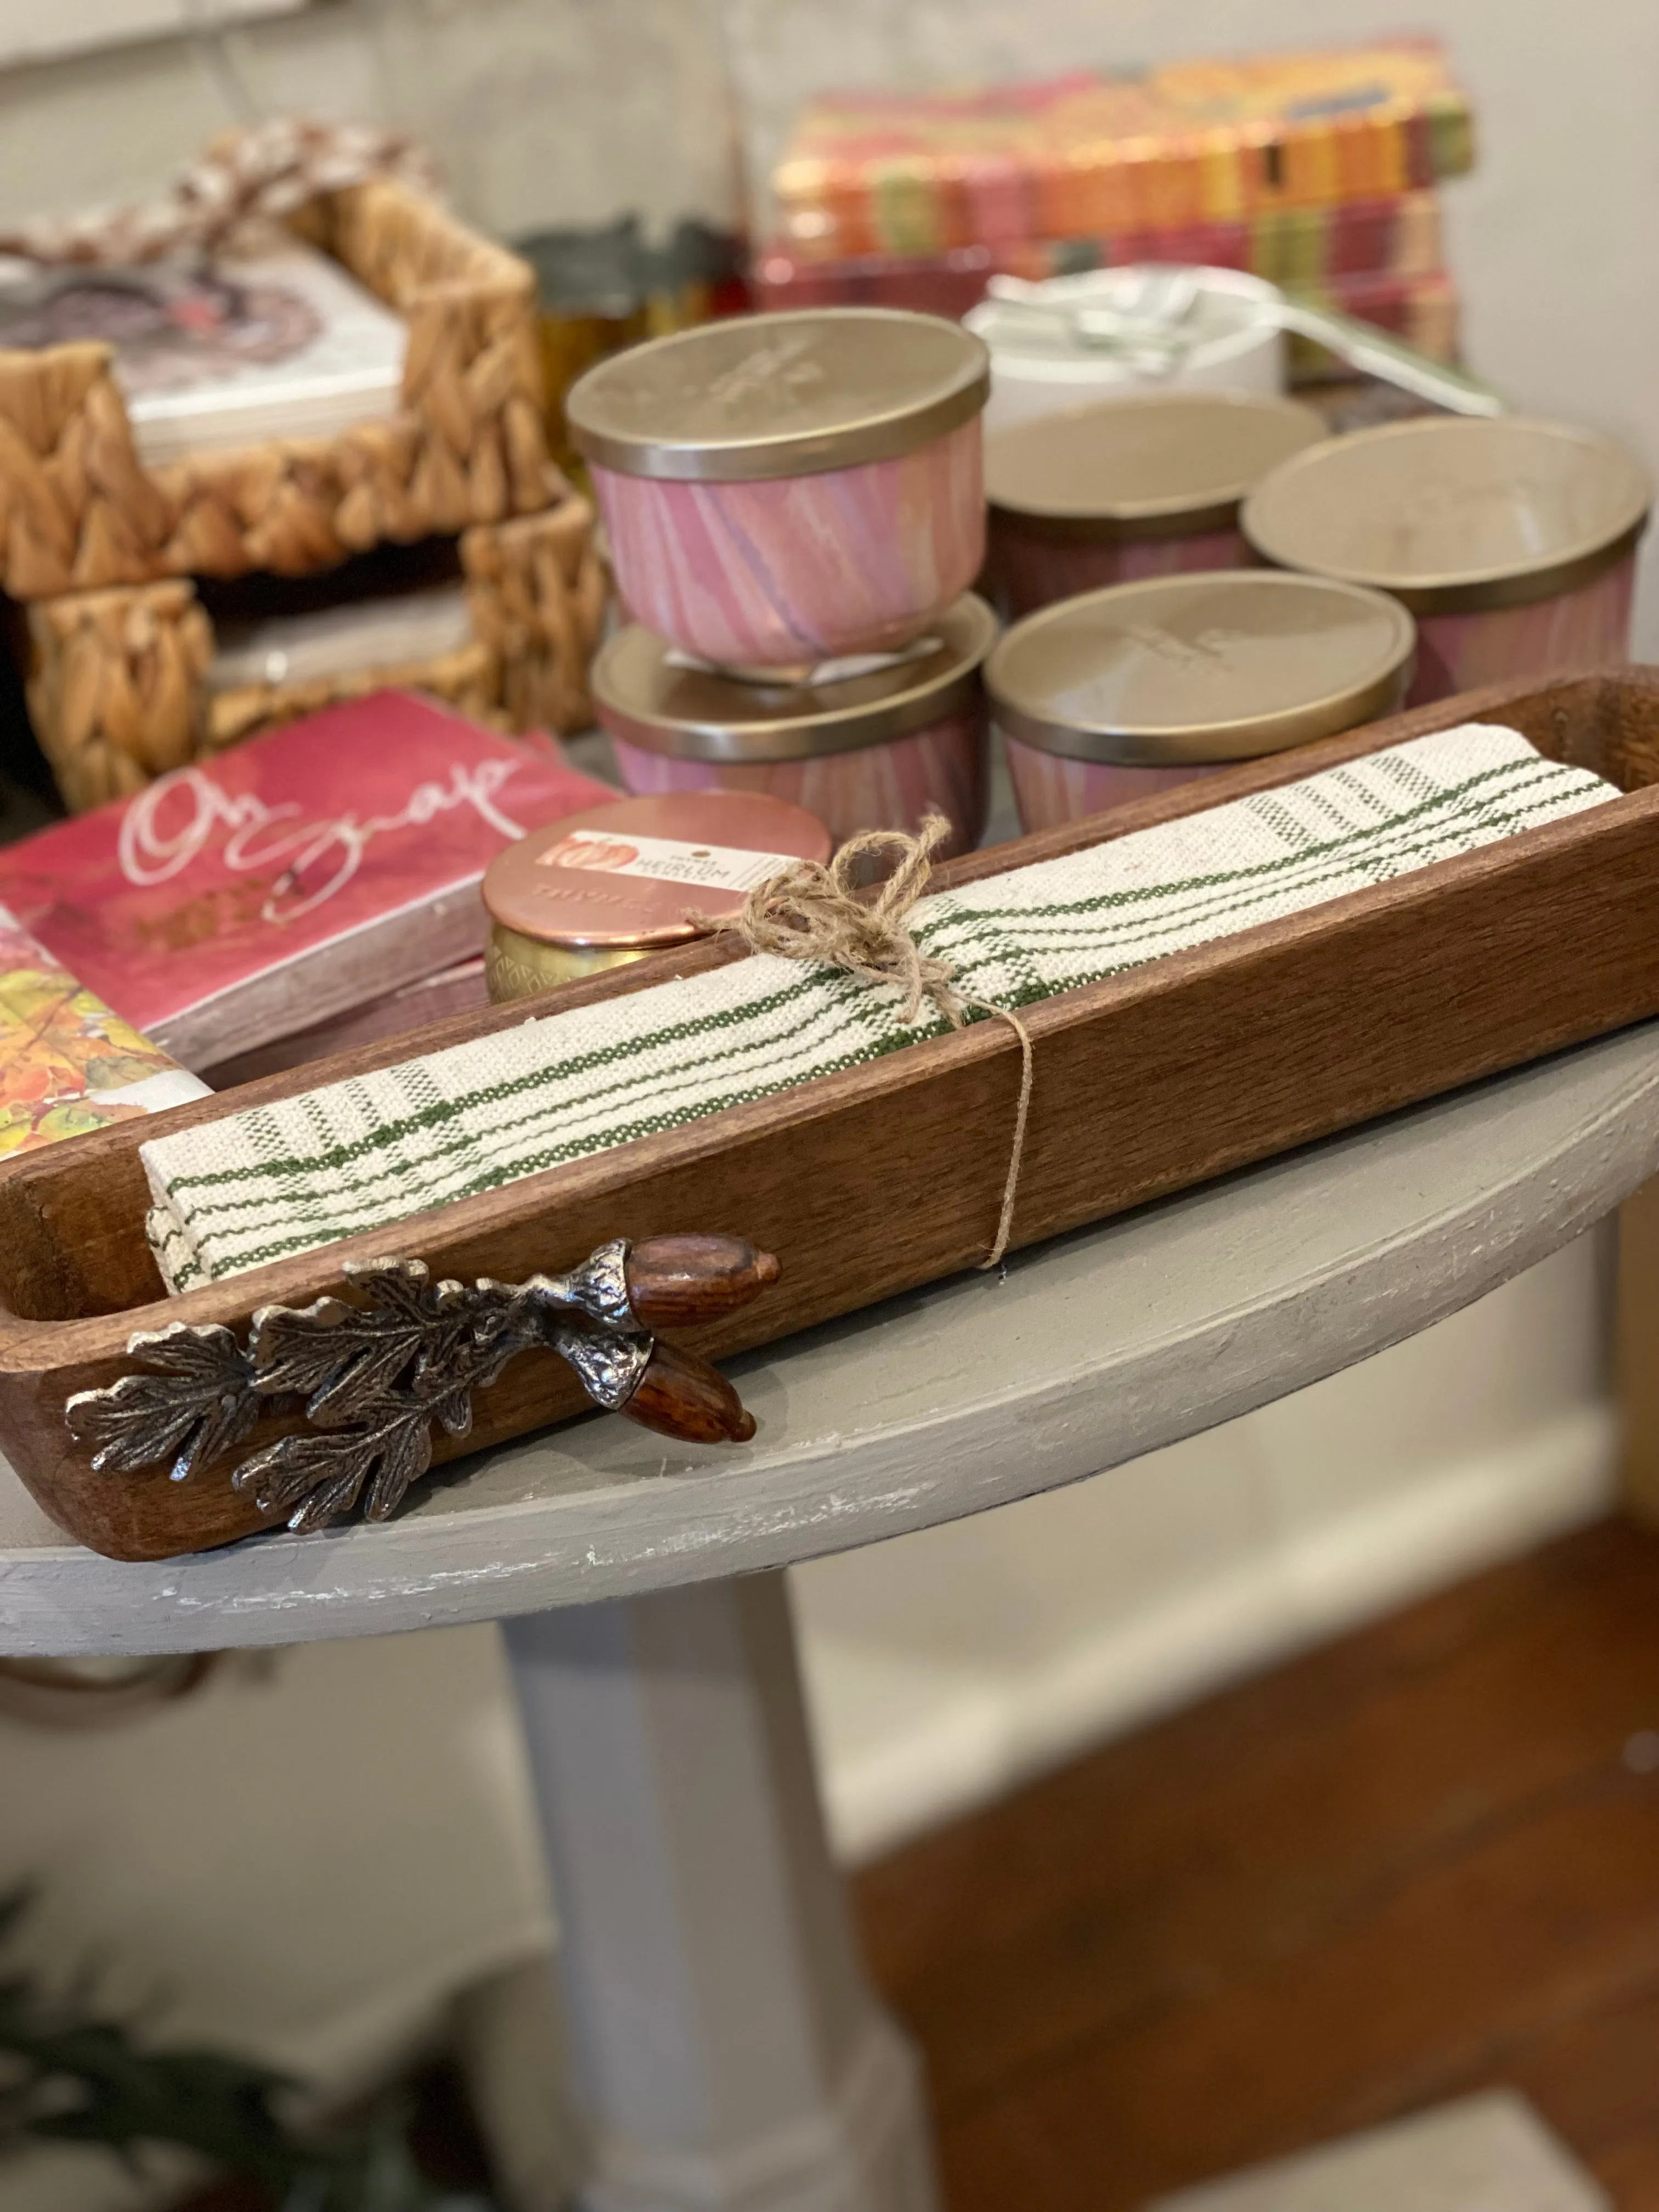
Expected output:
(1034, 372)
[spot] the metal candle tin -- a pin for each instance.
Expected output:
(878, 751)
(581, 894)
(1127, 488)
(1512, 542)
(782, 489)
(1108, 696)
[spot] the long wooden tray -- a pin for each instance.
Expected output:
(891, 1175)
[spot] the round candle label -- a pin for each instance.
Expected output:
(649, 871)
(663, 860)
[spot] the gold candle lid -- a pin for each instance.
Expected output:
(1159, 465)
(628, 875)
(782, 395)
(1454, 514)
(1208, 667)
(643, 694)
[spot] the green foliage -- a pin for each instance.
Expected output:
(68, 2075)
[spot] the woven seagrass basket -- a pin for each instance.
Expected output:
(79, 512)
(118, 687)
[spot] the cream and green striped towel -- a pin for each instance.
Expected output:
(284, 1178)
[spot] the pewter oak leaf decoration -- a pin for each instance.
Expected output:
(371, 1378)
(339, 1357)
(201, 1402)
(316, 1478)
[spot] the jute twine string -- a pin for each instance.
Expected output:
(813, 913)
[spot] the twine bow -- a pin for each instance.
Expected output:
(813, 913)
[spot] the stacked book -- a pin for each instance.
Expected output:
(1317, 170)
(310, 890)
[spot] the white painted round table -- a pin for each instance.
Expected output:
(728, 2051)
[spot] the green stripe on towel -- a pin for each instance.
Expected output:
(290, 1177)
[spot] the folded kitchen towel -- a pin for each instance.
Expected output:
(304, 1171)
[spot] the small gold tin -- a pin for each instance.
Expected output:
(517, 966)
(569, 899)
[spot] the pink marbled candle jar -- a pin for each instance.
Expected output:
(1587, 624)
(1029, 572)
(783, 489)
(1145, 485)
(1107, 697)
(1049, 789)
(1513, 542)
(878, 751)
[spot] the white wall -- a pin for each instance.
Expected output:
(544, 111)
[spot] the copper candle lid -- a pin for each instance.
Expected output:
(1163, 465)
(780, 395)
(1209, 667)
(1454, 514)
(643, 695)
(627, 875)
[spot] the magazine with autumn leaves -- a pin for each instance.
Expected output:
(67, 1063)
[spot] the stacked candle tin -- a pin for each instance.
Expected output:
(1131, 487)
(1121, 692)
(880, 750)
(795, 510)
(1513, 542)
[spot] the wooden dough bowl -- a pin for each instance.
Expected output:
(888, 1175)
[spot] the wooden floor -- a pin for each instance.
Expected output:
(1423, 1861)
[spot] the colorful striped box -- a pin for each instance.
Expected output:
(1423, 311)
(1091, 155)
(1301, 248)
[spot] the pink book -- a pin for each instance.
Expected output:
(293, 880)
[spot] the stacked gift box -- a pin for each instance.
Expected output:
(1317, 170)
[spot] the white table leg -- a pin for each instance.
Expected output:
(730, 2055)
